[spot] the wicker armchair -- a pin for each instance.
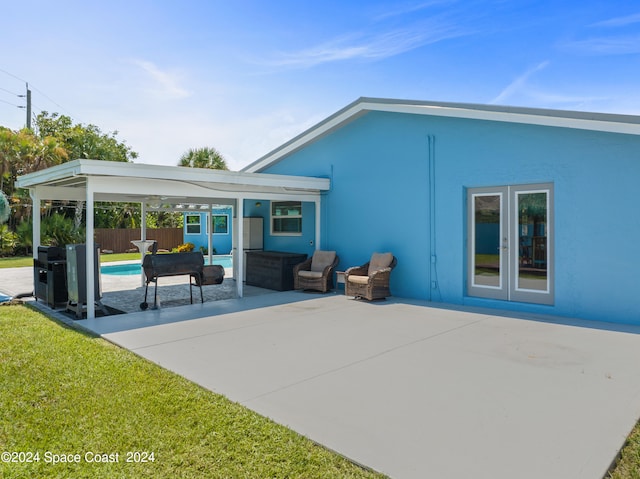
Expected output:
(317, 272)
(371, 280)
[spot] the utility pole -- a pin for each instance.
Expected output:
(28, 107)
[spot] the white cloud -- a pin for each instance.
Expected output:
(412, 8)
(370, 47)
(518, 84)
(619, 21)
(163, 84)
(614, 45)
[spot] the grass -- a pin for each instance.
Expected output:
(628, 465)
(62, 391)
(20, 261)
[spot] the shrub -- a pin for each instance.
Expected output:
(8, 240)
(186, 247)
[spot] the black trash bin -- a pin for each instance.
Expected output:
(50, 275)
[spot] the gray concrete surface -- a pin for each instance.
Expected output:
(406, 388)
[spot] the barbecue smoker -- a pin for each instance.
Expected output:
(176, 264)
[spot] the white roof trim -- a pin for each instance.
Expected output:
(74, 174)
(605, 122)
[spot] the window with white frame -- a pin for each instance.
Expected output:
(193, 224)
(220, 223)
(286, 218)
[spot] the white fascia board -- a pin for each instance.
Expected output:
(289, 197)
(133, 187)
(512, 117)
(63, 194)
(65, 170)
(205, 177)
(201, 175)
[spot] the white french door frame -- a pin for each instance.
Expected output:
(507, 268)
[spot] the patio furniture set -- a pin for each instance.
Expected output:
(280, 271)
(275, 270)
(369, 281)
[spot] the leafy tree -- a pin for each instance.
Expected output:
(206, 157)
(83, 141)
(89, 142)
(23, 152)
(165, 219)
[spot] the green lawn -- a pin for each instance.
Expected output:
(19, 261)
(64, 392)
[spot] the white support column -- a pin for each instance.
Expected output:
(318, 222)
(240, 250)
(143, 221)
(90, 253)
(210, 235)
(35, 213)
(143, 238)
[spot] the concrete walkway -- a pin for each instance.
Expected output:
(405, 388)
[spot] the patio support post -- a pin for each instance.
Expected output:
(317, 204)
(143, 221)
(90, 252)
(240, 247)
(35, 240)
(143, 237)
(210, 235)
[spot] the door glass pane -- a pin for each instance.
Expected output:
(487, 249)
(532, 241)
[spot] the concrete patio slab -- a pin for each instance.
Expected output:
(410, 389)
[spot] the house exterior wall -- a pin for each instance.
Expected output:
(385, 177)
(303, 243)
(222, 242)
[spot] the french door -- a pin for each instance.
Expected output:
(510, 243)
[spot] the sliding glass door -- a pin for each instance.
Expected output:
(510, 254)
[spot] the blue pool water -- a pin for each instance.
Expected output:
(130, 269)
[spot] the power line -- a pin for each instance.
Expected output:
(12, 104)
(12, 75)
(10, 92)
(30, 85)
(55, 103)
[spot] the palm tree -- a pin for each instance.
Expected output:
(206, 157)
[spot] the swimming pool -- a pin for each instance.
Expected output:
(129, 269)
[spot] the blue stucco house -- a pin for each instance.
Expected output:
(519, 209)
(513, 208)
(197, 224)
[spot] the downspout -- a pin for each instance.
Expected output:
(433, 273)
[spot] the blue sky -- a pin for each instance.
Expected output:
(246, 76)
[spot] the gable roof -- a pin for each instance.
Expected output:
(606, 122)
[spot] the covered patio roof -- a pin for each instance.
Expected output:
(153, 185)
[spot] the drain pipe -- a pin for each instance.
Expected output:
(433, 276)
